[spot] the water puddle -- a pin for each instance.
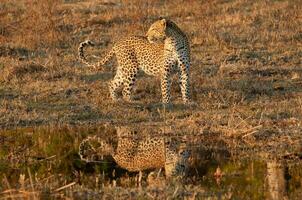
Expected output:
(90, 163)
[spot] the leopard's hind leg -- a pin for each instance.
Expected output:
(129, 68)
(129, 81)
(115, 84)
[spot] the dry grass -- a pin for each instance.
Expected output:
(246, 67)
(245, 55)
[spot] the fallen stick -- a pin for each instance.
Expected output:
(65, 186)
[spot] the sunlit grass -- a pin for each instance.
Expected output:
(245, 77)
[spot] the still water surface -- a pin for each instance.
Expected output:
(47, 159)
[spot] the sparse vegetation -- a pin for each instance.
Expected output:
(245, 73)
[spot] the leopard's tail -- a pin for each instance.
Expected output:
(85, 150)
(82, 57)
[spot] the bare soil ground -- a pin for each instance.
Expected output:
(246, 71)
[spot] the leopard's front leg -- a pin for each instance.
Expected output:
(166, 83)
(184, 66)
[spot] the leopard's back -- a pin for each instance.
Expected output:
(137, 52)
(137, 155)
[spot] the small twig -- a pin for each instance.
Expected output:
(31, 182)
(65, 186)
(175, 192)
(20, 191)
(8, 191)
(253, 128)
(20, 194)
(44, 159)
(261, 116)
(158, 174)
(8, 185)
(50, 157)
(242, 121)
(251, 133)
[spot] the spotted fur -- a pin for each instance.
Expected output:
(154, 58)
(137, 154)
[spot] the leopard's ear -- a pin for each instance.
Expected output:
(163, 22)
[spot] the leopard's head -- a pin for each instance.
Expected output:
(93, 149)
(157, 31)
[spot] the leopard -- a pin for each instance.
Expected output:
(163, 51)
(137, 154)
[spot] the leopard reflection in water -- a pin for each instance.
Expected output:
(135, 153)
